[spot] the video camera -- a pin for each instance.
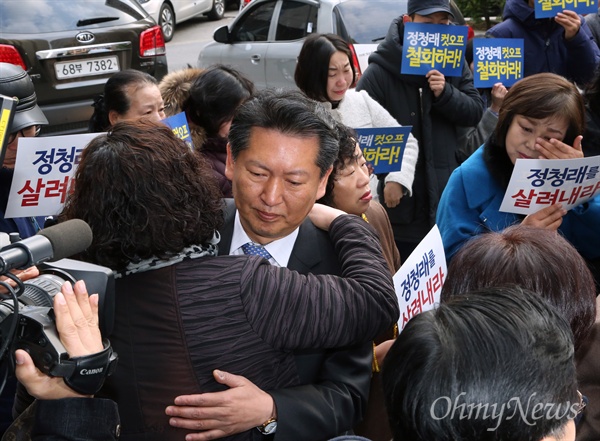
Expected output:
(27, 316)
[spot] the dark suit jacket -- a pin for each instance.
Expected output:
(335, 383)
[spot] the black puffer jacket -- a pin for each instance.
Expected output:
(409, 99)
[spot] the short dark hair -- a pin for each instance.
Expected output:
(291, 113)
(348, 140)
(537, 259)
(312, 68)
(538, 96)
(451, 369)
(214, 97)
(116, 96)
(144, 193)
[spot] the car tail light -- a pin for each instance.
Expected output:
(10, 54)
(244, 3)
(356, 65)
(152, 42)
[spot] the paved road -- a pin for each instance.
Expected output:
(190, 37)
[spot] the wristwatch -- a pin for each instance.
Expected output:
(268, 427)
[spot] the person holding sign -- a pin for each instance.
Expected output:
(27, 121)
(562, 45)
(435, 106)
(542, 117)
(348, 190)
(325, 72)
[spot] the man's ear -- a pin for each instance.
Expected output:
(229, 164)
(323, 183)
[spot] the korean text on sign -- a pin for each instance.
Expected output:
(538, 183)
(429, 46)
(419, 281)
(43, 173)
(497, 60)
(549, 8)
(179, 124)
(383, 147)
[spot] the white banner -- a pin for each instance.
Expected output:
(43, 172)
(539, 183)
(419, 280)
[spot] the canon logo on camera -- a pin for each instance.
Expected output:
(91, 371)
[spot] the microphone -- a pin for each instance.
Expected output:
(57, 242)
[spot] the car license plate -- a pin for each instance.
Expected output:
(85, 68)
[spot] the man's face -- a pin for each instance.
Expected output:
(435, 18)
(276, 182)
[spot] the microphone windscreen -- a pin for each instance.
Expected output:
(68, 238)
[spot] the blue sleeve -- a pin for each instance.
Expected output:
(456, 221)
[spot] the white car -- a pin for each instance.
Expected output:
(168, 13)
(265, 39)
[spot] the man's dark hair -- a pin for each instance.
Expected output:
(497, 347)
(291, 113)
(312, 68)
(144, 193)
(533, 258)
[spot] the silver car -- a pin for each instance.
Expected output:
(265, 39)
(168, 13)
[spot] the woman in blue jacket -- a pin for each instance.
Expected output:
(542, 117)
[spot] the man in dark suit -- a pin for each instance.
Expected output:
(278, 160)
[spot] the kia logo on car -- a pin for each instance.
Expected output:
(85, 37)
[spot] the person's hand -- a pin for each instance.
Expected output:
(392, 194)
(218, 414)
(77, 325)
(548, 218)
(322, 215)
(23, 275)
(437, 82)
(570, 21)
(555, 149)
(498, 94)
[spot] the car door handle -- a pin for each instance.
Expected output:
(255, 59)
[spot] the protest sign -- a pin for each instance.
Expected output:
(179, 124)
(432, 46)
(497, 60)
(549, 8)
(383, 147)
(539, 183)
(419, 280)
(43, 172)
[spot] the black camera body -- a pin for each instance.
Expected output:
(35, 328)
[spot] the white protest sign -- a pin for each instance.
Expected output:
(539, 183)
(43, 172)
(419, 280)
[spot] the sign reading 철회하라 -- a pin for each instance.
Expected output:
(433, 46)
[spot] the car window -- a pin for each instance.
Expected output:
(296, 21)
(368, 21)
(41, 16)
(366, 24)
(254, 25)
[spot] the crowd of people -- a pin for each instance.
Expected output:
(254, 293)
